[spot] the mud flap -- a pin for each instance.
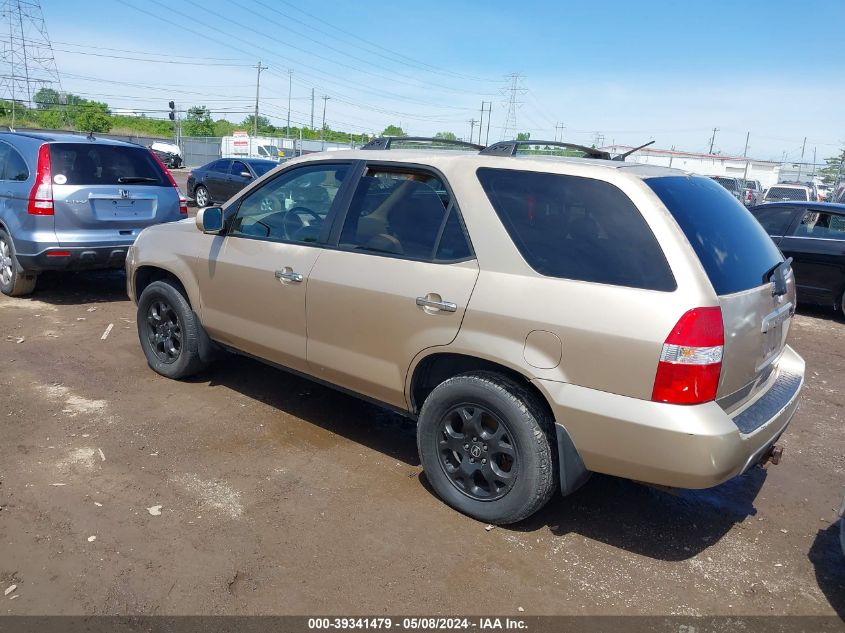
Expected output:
(573, 473)
(207, 349)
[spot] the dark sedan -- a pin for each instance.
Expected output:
(813, 235)
(221, 179)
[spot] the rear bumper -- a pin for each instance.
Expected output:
(672, 445)
(75, 258)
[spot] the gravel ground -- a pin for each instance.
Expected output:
(247, 490)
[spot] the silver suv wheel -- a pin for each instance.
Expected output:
(5, 263)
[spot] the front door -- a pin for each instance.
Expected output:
(254, 278)
(817, 248)
(397, 282)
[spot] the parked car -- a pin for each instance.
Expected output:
(169, 154)
(734, 185)
(782, 191)
(752, 192)
(813, 235)
(842, 526)
(221, 179)
(540, 318)
(73, 202)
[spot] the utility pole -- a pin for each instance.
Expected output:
(747, 136)
(323, 129)
(487, 133)
(312, 109)
(814, 162)
(559, 128)
(472, 129)
(480, 123)
(801, 164)
(713, 139)
(290, 85)
(259, 68)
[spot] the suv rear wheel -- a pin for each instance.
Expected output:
(169, 331)
(486, 444)
(13, 282)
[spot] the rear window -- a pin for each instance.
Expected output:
(787, 193)
(733, 248)
(727, 183)
(92, 164)
(577, 228)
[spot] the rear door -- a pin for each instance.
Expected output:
(741, 262)
(817, 247)
(398, 282)
(105, 194)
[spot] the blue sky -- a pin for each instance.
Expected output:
(630, 71)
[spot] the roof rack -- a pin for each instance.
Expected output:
(385, 142)
(510, 148)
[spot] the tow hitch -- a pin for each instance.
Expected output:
(772, 456)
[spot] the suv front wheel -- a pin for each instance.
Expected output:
(486, 444)
(169, 331)
(13, 281)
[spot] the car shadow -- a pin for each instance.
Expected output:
(665, 525)
(819, 312)
(75, 288)
(344, 415)
(829, 564)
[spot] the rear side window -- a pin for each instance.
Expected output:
(92, 164)
(733, 248)
(787, 193)
(821, 224)
(577, 228)
(16, 168)
(775, 219)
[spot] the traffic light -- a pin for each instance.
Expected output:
(172, 113)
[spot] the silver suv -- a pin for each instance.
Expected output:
(71, 202)
(540, 317)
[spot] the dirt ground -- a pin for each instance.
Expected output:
(250, 491)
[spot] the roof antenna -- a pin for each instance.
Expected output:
(629, 152)
(90, 136)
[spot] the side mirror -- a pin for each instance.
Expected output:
(210, 220)
(246, 174)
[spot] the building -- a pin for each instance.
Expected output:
(766, 171)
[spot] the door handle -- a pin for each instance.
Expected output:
(445, 306)
(288, 275)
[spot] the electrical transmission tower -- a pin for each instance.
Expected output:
(513, 90)
(28, 62)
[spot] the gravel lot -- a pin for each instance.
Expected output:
(250, 491)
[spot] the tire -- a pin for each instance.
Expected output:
(169, 331)
(14, 282)
(201, 196)
(451, 433)
(842, 304)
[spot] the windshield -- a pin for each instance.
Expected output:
(733, 248)
(90, 164)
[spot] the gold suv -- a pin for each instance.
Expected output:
(540, 317)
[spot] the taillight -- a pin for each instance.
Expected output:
(183, 202)
(691, 359)
(41, 194)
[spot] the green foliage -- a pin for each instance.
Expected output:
(141, 125)
(51, 119)
(92, 117)
(523, 136)
(393, 130)
(198, 122)
(264, 126)
(449, 136)
(47, 98)
(834, 169)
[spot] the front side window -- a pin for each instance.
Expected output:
(821, 224)
(238, 169)
(291, 207)
(407, 214)
(577, 228)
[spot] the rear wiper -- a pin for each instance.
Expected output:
(777, 275)
(128, 179)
